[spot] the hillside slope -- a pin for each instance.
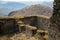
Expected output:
(33, 10)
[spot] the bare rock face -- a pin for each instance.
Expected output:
(54, 29)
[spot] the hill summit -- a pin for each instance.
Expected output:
(37, 9)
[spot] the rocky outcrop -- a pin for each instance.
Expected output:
(39, 22)
(54, 29)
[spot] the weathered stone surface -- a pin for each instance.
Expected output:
(54, 29)
(8, 26)
(37, 21)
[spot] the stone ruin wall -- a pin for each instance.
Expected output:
(39, 22)
(26, 30)
(8, 26)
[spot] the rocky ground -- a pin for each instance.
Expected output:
(23, 36)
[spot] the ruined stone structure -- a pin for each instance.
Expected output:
(32, 26)
(39, 22)
(28, 27)
(54, 29)
(8, 26)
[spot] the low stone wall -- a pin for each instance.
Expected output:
(8, 25)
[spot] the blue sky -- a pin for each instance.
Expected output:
(26, 0)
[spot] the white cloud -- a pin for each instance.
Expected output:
(25, 0)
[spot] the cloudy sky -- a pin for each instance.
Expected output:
(25, 0)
